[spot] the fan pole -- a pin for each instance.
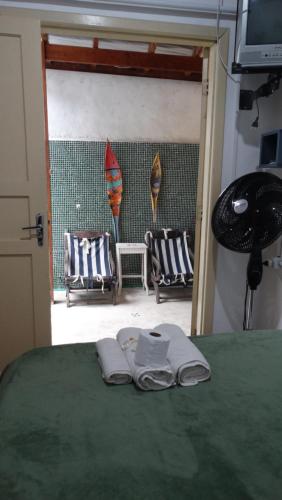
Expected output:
(254, 276)
(249, 309)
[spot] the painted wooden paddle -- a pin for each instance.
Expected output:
(114, 186)
(155, 182)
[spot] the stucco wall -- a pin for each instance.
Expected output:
(230, 300)
(88, 106)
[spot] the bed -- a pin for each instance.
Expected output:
(65, 434)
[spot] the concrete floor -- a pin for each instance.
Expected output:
(88, 320)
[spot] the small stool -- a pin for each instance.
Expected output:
(132, 248)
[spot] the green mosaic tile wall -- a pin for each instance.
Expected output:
(77, 178)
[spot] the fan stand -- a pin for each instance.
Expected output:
(246, 218)
(249, 309)
(254, 276)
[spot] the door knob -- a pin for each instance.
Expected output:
(39, 229)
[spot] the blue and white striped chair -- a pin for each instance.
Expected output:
(171, 258)
(88, 263)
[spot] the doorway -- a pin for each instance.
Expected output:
(144, 111)
(212, 126)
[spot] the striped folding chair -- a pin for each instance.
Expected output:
(88, 263)
(171, 259)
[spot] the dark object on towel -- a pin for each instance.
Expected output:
(65, 434)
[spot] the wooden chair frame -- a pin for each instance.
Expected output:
(155, 265)
(109, 282)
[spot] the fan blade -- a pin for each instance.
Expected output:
(260, 223)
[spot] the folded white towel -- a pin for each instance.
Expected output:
(114, 366)
(187, 362)
(147, 378)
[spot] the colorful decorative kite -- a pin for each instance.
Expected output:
(155, 182)
(114, 186)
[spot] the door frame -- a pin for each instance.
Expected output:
(212, 123)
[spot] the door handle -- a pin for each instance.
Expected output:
(39, 229)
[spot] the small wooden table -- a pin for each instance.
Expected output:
(132, 248)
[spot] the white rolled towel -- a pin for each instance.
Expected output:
(188, 363)
(114, 365)
(147, 378)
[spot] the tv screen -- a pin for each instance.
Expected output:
(264, 26)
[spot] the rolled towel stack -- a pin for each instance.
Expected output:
(155, 359)
(188, 363)
(114, 366)
(149, 372)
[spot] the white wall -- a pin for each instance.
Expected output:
(268, 298)
(122, 108)
(126, 8)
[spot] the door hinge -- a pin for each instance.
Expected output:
(205, 84)
(199, 214)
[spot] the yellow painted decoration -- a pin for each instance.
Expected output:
(155, 183)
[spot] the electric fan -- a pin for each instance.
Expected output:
(247, 217)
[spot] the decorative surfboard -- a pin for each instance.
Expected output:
(155, 182)
(114, 186)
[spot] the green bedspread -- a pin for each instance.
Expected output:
(66, 435)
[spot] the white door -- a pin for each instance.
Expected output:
(24, 274)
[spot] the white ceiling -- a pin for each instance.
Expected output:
(171, 7)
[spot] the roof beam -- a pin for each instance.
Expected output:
(123, 60)
(152, 48)
(95, 43)
(110, 70)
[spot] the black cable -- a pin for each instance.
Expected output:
(245, 306)
(256, 121)
(251, 306)
(236, 28)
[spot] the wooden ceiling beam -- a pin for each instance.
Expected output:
(122, 59)
(110, 70)
(152, 48)
(197, 52)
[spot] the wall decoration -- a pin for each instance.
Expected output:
(155, 183)
(78, 177)
(114, 186)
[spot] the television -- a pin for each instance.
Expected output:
(259, 37)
